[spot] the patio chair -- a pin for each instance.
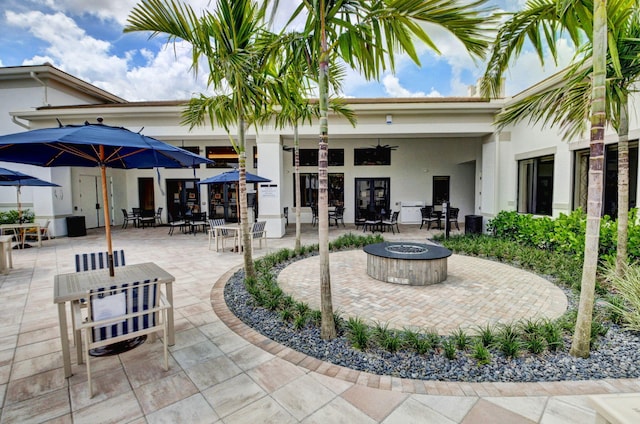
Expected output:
(98, 260)
(429, 216)
(221, 233)
(147, 218)
(337, 215)
(198, 221)
(159, 216)
(390, 222)
(180, 223)
(314, 215)
(89, 262)
(453, 217)
(127, 218)
(257, 232)
(286, 215)
(32, 233)
(119, 313)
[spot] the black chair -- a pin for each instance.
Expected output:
(373, 222)
(286, 215)
(180, 223)
(127, 218)
(453, 217)
(159, 215)
(198, 221)
(314, 215)
(338, 215)
(389, 223)
(147, 218)
(429, 216)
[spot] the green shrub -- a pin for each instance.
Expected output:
(299, 321)
(449, 349)
(12, 216)
(552, 334)
(627, 286)
(461, 339)
(480, 353)
(508, 341)
(358, 333)
(416, 341)
(486, 335)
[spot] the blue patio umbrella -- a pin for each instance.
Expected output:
(92, 145)
(17, 179)
(233, 177)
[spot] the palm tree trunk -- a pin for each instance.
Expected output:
(582, 334)
(623, 185)
(296, 156)
(327, 327)
(249, 270)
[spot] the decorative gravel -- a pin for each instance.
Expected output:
(617, 354)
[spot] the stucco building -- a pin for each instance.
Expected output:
(403, 153)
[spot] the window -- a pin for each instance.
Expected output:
(535, 185)
(610, 184)
(309, 189)
(224, 156)
(309, 157)
(255, 157)
(375, 156)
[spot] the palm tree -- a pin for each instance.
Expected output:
(366, 35)
(575, 17)
(236, 47)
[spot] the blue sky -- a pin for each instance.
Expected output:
(85, 39)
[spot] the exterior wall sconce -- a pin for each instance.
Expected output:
(389, 119)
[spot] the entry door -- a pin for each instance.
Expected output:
(146, 200)
(90, 203)
(440, 189)
(372, 196)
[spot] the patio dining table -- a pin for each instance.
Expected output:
(20, 229)
(220, 230)
(74, 286)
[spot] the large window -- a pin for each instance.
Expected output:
(610, 200)
(309, 157)
(371, 156)
(535, 185)
(309, 189)
(224, 156)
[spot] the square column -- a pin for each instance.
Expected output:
(270, 205)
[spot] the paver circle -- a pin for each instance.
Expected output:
(476, 292)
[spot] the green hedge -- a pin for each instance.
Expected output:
(564, 234)
(11, 217)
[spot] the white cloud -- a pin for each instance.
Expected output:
(117, 10)
(393, 88)
(526, 70)
(165, 75)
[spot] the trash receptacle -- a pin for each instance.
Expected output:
(76, 226)
(473, 224)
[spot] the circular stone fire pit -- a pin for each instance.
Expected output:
(415, 264)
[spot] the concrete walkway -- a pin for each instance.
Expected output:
(221, 370)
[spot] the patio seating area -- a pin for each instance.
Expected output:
(219, 370)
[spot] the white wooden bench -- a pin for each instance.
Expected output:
(621, 408)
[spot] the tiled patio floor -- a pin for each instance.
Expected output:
(220, 370)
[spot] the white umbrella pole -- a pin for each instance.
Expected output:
(107, 218)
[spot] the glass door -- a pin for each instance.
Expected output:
(223, 202)
(372, 197)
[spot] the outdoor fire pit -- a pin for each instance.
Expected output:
(415, 264)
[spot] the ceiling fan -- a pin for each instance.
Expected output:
(384, 147)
